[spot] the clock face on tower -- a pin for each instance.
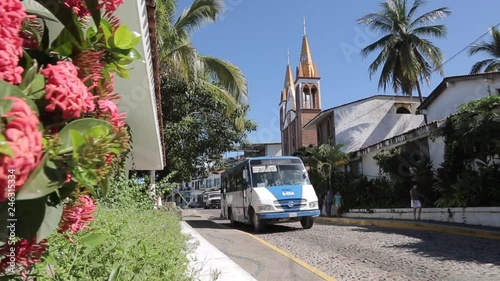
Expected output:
(303, 58)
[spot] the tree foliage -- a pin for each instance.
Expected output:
(198, 129)
(491, 49)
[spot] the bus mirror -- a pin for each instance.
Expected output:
(245, 174)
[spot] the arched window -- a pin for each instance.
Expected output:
(314, 94)
(308, 103)
(403, 110)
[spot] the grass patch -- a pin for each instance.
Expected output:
(127, 243)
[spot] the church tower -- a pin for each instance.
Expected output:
(306, 103)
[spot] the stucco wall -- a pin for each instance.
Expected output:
(487, 216)
(370, 121)
(458, 93)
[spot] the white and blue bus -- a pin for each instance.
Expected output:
(268, 190)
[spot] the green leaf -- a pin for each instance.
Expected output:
(93, 239)
(37, 88)
(134, 54)
(135, 41)
(104, 185)
(65, 16)
(29, 215)
(67, 189)
(33, 8)
(115, 272)
(4, 147)
(82, 126)
(94, 11)
(28, 77)
(38, 183)
(50, 222)
(45, 44)
(77, 139)
(123, 37)
(64, 43)
(107, 30)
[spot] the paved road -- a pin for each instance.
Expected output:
(262, 262)
(371, 253)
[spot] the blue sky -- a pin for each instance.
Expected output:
(256, 34)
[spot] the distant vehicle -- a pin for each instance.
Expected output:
(212, 199)
(267, 190)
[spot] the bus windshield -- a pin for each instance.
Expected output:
(278, 175)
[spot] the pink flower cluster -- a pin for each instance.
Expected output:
(66, 92)
(77, 215)
(80, 9)
(110, 110)
(26, 254)
(25, 140)
(12, 14)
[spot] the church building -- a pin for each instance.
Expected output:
(300, 102)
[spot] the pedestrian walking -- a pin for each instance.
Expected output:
(415, 203)
(328, 203)
(321, 199)
(339, 202)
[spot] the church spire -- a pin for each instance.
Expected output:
(288, 79)
(306, 68)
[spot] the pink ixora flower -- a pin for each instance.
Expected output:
(12, 14)
(65, 91)
(109, 110)
(26, 253)
(80, 9)
(77, 214)
(25, 140)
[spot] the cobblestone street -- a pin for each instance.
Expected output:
(372, 253)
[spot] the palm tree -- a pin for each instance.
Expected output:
(323, 159)
(406, 56)
(179, 57)
(492, 49)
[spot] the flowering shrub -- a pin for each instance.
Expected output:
(60, 128)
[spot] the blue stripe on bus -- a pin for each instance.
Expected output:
(286, 192)
(282, 215)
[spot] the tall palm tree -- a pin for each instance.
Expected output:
(179, 57)
(492, 49)
(406, 56)
(323, 160)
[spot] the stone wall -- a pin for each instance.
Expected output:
(486, 216)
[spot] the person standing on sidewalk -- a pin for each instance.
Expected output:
(415, 201)
(321, 199)
(339, 202)
(328, 203)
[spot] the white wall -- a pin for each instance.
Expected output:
(458, 93)
(368, 122)
(273, 149)
(487, 216)
(370, 168)
(436, 151)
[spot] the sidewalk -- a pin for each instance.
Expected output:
(436, 226)
(210, 263)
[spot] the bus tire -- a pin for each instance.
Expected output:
(307, 222)
(257, 223)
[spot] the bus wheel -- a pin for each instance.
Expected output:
(258, 224)
(307, 222)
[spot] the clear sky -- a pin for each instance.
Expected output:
(256, 34)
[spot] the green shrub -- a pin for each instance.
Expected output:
(136, 244)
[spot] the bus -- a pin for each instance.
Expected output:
(268, 190)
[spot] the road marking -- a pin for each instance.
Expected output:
(307, 266)
(415, 226)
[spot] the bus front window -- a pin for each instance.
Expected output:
(279, 175)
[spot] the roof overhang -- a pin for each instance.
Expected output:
(318, 118)
(138, 96)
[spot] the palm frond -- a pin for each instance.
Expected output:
(227, 75)
(494, 66)
(198, 14)
(222, 95)
(430, 17)
(438, 31)
(417, 4)
(383, 42)
(377, 22)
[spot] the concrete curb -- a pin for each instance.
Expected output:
(210, 263)
(465, 231)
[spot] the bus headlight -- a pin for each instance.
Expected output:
(313, 204)
(266, 207)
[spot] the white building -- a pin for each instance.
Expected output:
(441, 103)
(263, 149)
(366, 121)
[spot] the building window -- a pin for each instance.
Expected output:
(314, 93)
(308, 102)
(318, 134)
(403, 110)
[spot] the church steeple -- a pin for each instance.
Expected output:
(288, 79)
(307, 68)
